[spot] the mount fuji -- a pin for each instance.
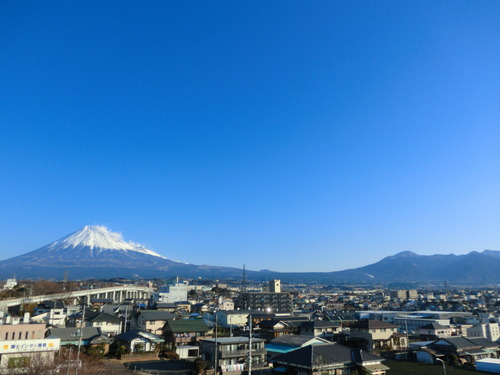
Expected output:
(97, 252)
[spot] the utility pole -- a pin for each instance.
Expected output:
(407, 338)
(230, 326)
(215, 346)
(80, 340)
(250, 346)
(126, 316)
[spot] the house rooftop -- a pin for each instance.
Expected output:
(157, 315)
(186, 325)
(324, 356)
(372, 324)
(72, 334)
(294, 340)
(233, 340)
(434, 325)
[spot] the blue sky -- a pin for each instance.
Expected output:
(284, 135)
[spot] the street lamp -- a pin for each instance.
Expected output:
(444, 365)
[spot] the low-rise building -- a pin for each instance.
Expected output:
(376, 336)
(137, 341)
(153, 320)
(109, 325)
(322, 328)
(433, 331)
(233, 352)
(185, 332)
(489, 331)
(262, 301)
(289, 343)
(16, 354)
(85, 336)
(332, 359)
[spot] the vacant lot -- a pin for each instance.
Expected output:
(413, 368)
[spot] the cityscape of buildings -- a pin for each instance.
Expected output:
(236, 328)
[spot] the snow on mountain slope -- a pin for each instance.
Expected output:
(98, 238)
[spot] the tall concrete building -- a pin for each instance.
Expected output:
(275, 286)
(273, 301)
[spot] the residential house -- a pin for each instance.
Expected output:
(185, 332)
(272, 328)
(433, 331)
(322, 328)
(232, 353)
(288, 343)
(330, 359)
(226, 304)
(86, 336)
(376, 336)
(109, 325)
(183, 306)
(166, 306)
(153, 320)
(137, 341)
(98, 303)
(468, 350)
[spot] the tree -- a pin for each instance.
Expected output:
(193, 294)
(96, 351)
(200, 366)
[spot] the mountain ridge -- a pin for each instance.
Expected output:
(96, 252)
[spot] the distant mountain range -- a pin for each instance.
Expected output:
(96, 252)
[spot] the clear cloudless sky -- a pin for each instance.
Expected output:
(283, 135)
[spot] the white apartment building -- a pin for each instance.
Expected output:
(171, 293)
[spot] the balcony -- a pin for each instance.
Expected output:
(223, 354)
(239, 368)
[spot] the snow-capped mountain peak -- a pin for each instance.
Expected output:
(99, 238)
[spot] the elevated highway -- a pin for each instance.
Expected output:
(116, 293)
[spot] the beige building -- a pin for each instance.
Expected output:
(153, 320)
(489, 331)
(376, 336)
(22, 331)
